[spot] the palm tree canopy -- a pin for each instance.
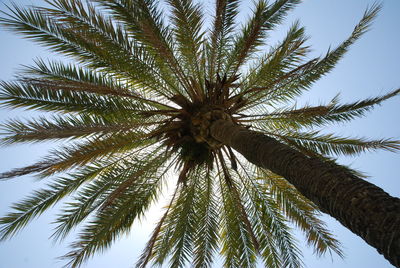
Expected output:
(136, 103)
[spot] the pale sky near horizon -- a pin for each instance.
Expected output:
(370, 68)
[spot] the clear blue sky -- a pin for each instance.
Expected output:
(370, 68)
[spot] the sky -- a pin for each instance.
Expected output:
(370, 68)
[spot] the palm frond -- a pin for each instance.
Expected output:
(277, 246)
(206, 222)
(41, 200)
(68, 77)
(110, 177)
(81, 33)
(303, 213)
(148, 252)
(253, 34)
(80, 154)
(115, 220)
(64, 127)
(281, 59)
(187, 19)
(181, 240)
(313, 116)
(143, 20)
(237, 247)
(221, 35)
(329, 144)
(292, 85)
(40, 97)
(175, 234)
(87, 200)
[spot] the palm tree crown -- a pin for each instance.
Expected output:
(138, 102)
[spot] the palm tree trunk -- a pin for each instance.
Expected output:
(362, 207)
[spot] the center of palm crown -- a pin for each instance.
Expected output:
(201, 122)
(188, 131)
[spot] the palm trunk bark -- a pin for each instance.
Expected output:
(362, 207)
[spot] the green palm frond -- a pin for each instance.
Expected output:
(221, 35)
(40, 97)
(87, 200)
(46, 197)
(158, 247)
(319, 115)
(238, 248)
(205, 239)
(181, 240)
(143, 21)
(36, 204)
(79, 154)
(183, 221)
(187, 19)
(61, 30)
(277, 246)
(116, 218)
(329, 144)
(281, 59)
(253, 34)
(66, 127)
(175, 234)
(149, 252)
(293, 83)
(74, 78)
(301, 212)
(106, 178)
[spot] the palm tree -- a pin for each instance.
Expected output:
(143, 98)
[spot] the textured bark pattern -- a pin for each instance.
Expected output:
(362, 207)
